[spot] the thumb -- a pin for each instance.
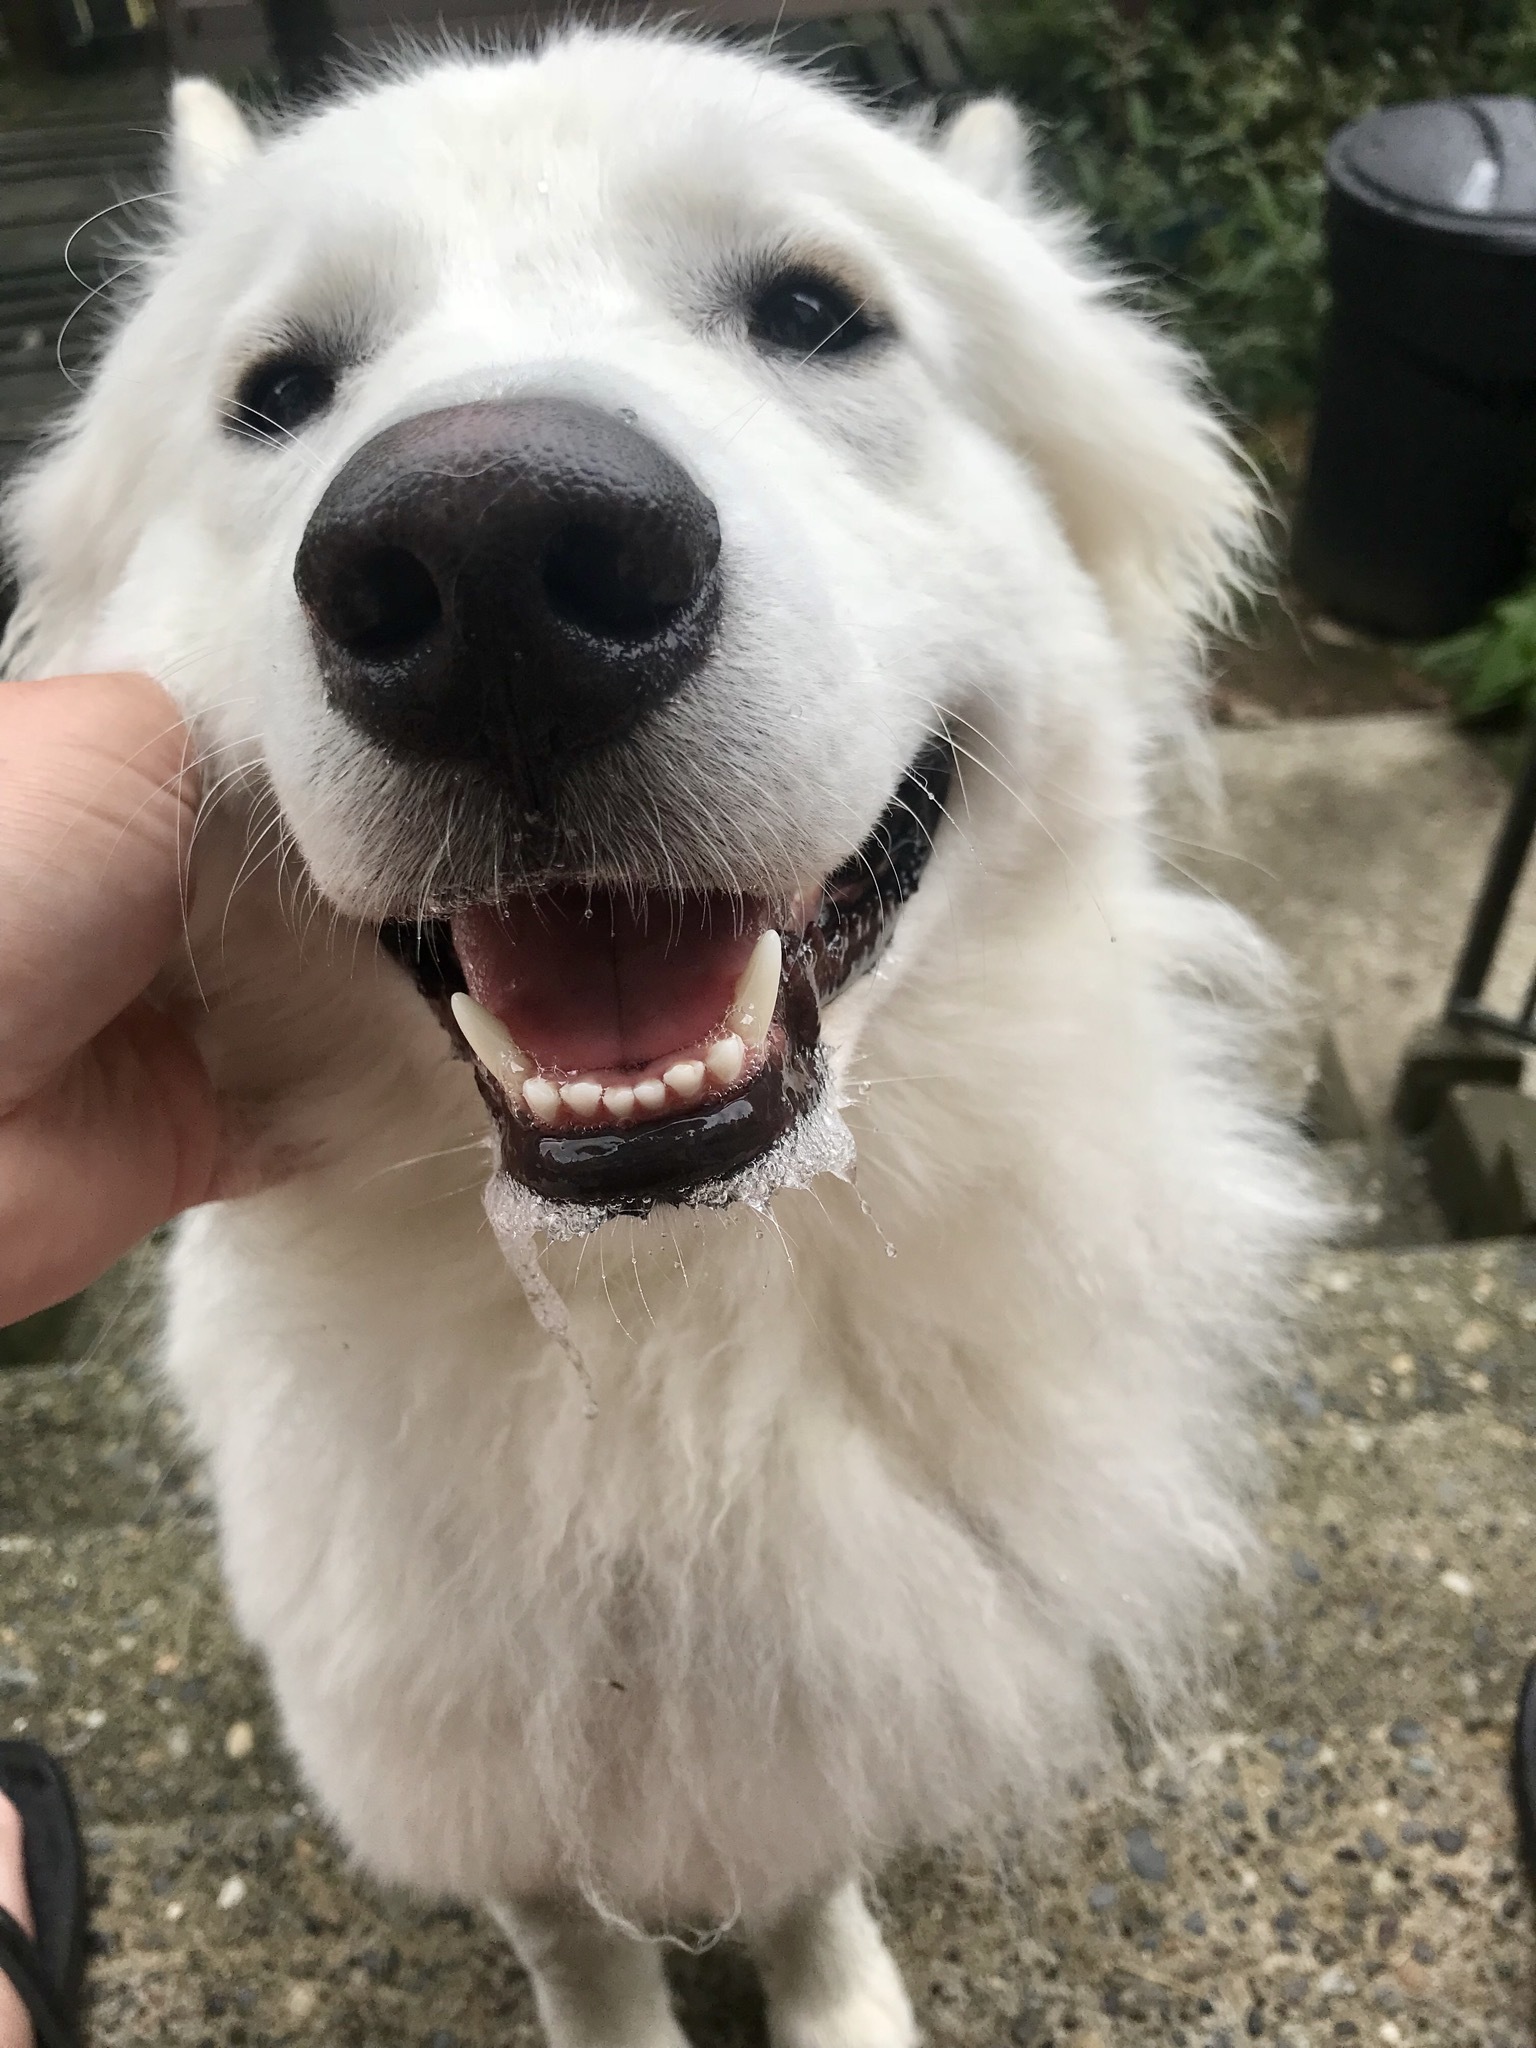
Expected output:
(96, 809)
(122, 1136)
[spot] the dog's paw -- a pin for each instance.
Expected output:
(871, 2017)
(829, 1977)
(868, 2010)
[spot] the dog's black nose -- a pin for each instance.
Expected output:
(509, 583)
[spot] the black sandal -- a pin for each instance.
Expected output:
(48, 1973)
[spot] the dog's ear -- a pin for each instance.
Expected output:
(1105, 408)
(986, 145)
(209, 138)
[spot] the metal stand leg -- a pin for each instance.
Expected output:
(1473, 1045)
(1505, 866)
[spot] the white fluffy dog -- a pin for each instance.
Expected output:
(679, 586)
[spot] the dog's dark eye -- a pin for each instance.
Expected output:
(809, 314)
(276, 398)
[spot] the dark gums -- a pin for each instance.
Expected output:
(631, 1171)
(861, 900)
(426, 953)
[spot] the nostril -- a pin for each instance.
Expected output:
(621, 584)
(381, 603)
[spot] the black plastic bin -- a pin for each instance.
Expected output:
(1422, 473)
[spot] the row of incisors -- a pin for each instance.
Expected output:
(676, 1080)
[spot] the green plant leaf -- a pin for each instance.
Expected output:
(1193, 133)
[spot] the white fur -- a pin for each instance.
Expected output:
(873, 1487)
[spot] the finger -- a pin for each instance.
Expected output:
(125, 1135)
(96, 811)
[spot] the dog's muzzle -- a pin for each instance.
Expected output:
(506, 588)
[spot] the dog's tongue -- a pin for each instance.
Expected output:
(585, 981)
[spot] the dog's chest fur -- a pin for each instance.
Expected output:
(865, 1492)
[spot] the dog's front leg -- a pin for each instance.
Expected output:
(829, 1978)
(595, 1986)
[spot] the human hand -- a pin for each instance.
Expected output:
(108, 1122)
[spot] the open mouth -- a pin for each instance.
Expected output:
(639, 1047)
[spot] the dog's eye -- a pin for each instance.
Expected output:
(810, 315)
(275, 398)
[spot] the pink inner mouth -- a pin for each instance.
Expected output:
(588, 980)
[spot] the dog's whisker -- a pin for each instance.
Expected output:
(634, 1262)
(602, 1267)
(453, 1194)
(116, 206)
(677, 1249)
(250, 864)
(421, 1159)
(70, 318)
(890, 1080)
(240, 417)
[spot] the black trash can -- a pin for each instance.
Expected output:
(1422, 472)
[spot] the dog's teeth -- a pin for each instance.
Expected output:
(489, 1039)
(685, 1079)
(619, 1102)
(582, 1098)
(542, 1098)
(751, 1013)
(651, 1094)
(725, 1058)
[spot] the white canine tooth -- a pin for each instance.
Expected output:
(582, 1098)
(726, 1058)
(542, 1098)
(619, 1102)
(489, 1039)
(685, 1079)
(651, 1094)
(751, 1013)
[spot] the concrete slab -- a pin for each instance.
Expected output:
(1358, 843)
(1380, 1192)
